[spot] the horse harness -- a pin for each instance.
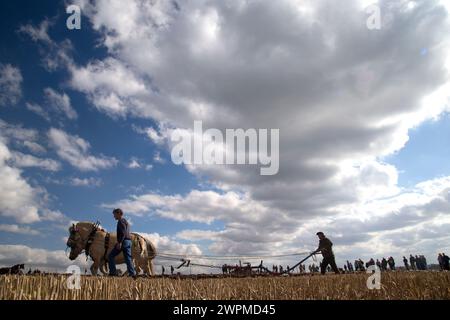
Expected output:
(105, 256)
(91, 240)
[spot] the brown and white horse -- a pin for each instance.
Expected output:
(97, 244)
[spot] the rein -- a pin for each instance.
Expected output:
(89, 241)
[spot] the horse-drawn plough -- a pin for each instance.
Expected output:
(96, 242)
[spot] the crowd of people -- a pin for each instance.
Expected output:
(415, 262)
(444, 261)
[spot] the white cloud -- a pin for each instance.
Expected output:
(10, 84)
(157, 158)
(17, 133)
(108, 85)
(14, 228)
(134, 164)
(168, 245)
(60, 103)
(75, 150)
(195, 235)
(263, 64)
(38, 110)
(21, 160)
(20, 137)
(39, 33)
(55, 55)
(53, 215)
(34, 147)
(23, 205)
(154, 135)
(19, 199)
(198, 206)
(86, 182)
(370, 228)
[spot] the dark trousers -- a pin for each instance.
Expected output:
(126, 250)
(328, 260)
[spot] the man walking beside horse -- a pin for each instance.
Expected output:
(98, 244)
(123, 245)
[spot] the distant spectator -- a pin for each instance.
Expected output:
(412, 262)
(405, 262)
(424, 262)
(349, 266)
(446, 262)
(384, 264)
(361, 265)
(441, 261)
(391, 263)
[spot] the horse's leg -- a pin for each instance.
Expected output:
(137, 266)
(150, 264)
(94, 269)
(104, 267)
(144, 266)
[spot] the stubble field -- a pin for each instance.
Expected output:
(394, 285)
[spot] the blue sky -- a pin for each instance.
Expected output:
(359, 145)
(426, 154)
(114, 137)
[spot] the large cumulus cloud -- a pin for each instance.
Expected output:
(343, 97)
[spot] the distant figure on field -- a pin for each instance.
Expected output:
(441, 261)
(412, 262)
(361, 265)
(391, 263)
(349, 266)
(379, 264)
(384, 264)
(405, 262)
(445, 262)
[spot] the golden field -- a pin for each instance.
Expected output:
(394, 285)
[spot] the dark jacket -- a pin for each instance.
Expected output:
(123, 230)
(325, 247)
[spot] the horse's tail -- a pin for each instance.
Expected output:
(143, 246)
(151, 249)
(142, 242)
(151, 254)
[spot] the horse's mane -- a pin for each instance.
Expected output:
(99, 227)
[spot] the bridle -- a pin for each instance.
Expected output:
(85, 243)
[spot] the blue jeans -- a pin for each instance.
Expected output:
(126, 250)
